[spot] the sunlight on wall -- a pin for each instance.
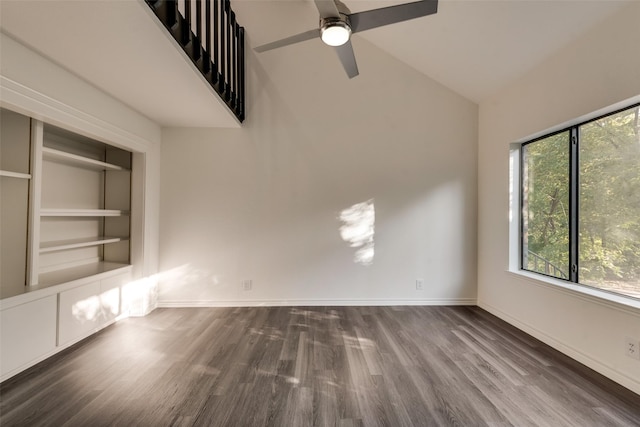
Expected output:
(186, 274)
(134, 298)
(110, 301)
(358, 229)
(87, 309)
(187, 279)
(140, 296)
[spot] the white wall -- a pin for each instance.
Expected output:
(262, 202)
(599, 70)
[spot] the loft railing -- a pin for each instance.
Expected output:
(209, 34)
(543, 265)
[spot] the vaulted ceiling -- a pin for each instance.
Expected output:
(474, 47)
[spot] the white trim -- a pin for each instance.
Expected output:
(35, 293)
(611, 300)
(35, 202)
(40, 106)
(314, 302)
(597, 365)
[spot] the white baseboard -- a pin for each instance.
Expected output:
(597, 365)
(314, 302)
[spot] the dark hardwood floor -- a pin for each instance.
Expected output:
(325, 366)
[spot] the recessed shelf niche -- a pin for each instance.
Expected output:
(84, 208)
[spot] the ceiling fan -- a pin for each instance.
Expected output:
(337, 24)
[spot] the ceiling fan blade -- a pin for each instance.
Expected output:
(307, 35)
(348, 59)
(362, 21)
(327, 9)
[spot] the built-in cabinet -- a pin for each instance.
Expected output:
(65, 202)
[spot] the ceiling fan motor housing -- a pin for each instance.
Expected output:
(335, 31)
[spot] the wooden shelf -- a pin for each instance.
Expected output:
(61, 245)
(69, 274)
(83, 212)
(10, 174)
(75, 160)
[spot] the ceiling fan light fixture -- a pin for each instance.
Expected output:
(335, 32)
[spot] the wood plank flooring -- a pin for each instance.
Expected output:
(314, 366)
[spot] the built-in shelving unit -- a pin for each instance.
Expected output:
(65, 234)
(65, 205)
(83, 223)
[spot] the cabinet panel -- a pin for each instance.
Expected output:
(13, 235)
(111, 295)
(80, 312)
(15, 150)
(28, 333)
(15, 139)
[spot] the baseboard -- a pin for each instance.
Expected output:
(314, 302)
(598, 366)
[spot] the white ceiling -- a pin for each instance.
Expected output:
(474, 47)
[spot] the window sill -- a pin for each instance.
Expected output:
(598, 296)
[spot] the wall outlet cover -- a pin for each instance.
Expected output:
(246, 285)
(632, 348)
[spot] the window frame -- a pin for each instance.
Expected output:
(573, 130)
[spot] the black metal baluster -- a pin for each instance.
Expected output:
(218, 52)
(223, 45)
(242, 75)
(234, 58)
(187, 28)
(199, 20)
(227, 93)
(207, 25)
(216, 61)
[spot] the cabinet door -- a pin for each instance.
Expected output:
(28, 333)
(80, 312)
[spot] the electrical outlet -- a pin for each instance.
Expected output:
(632, 348)
(246, 285)
(419, 284)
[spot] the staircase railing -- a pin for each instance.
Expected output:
(208, 33)
(548, 267)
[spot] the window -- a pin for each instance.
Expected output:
(580, 203)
